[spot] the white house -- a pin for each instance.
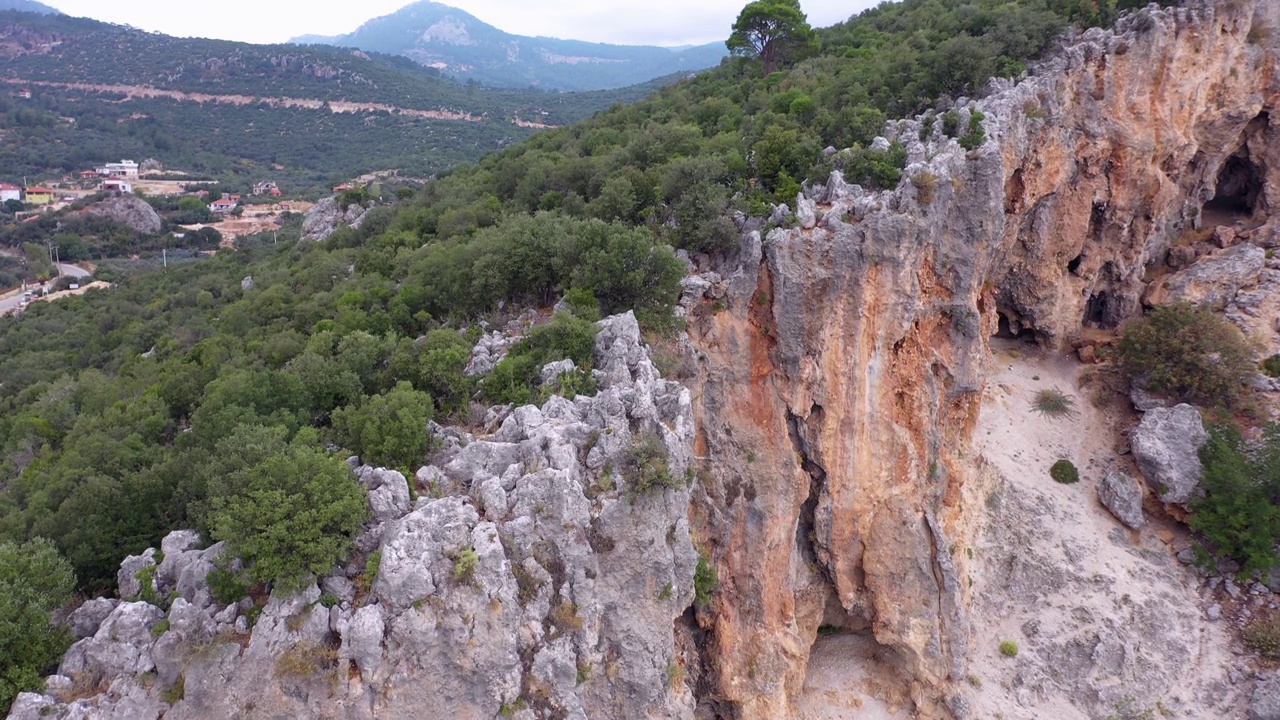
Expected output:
(124, 168)
(10, 192)
(117, 185)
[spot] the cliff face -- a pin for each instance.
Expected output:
(843, 368)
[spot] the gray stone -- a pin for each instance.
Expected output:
(30, 706)
(122, 645)
(552, 371)
(388, 492)
(1144, 401)
(1120, 494)
(489, 350)
(362, 642)
(1214, 612)
(246, 284)
(1214, 280)
(1265, 702)
(325, 217)
(86, 619)
(1166, 445)
(127, 578)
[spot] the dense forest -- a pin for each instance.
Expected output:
(114, 406)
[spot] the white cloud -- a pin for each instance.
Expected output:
(649, 22)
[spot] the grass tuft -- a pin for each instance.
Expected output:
(1053, 403)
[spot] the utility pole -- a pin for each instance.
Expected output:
(164, 257)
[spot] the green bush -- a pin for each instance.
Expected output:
(464, 566)
(388, 430)
(518, 378)
(1238, 514)
(288, 510)
(1187, 351)
(34, 580)
(1064, 472)
(645, 466)
(1009, 648)
(1271, 366)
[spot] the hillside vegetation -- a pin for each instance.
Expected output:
(114, 405)
(88, 82)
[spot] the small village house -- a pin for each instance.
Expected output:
(266, 187)
(223, 205)
(117, 185)
(38, 196)
(10, 192)
(122, 169)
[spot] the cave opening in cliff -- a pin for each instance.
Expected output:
(1240, 185)
(1007, 329)
(848, 668)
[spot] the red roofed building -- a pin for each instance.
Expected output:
(10, 192)
(38, 196)
(223, 205)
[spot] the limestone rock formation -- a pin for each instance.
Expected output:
(1166, 445)
(1121, 495)
(840, 384)
(129, 210)
(325, 217)
(548, 580)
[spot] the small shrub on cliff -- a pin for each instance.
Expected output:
(1263, 636)
(1064, 472)
(1271, 366)
(305, 660)
(464, 566)
(1009, 648)
(1053, 403)
(645, 465)
(926, 185)
(1187, 351)
(705, 579)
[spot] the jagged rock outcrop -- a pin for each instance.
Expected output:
(1213, 281)
(325, 217)
(1166, 445)
(840, 384)
(129, 210)
(544, 580)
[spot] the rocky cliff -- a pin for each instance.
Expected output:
(844, 363)
(845, 434)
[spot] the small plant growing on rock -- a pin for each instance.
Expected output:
(646, 466)
(705, 579)
(306, 659)
(464, 566)
(1053, 403)
(367, 578)
(1009, 648)
(1064, 472)
(1263, 636)
(926, 185)
(1271, 366)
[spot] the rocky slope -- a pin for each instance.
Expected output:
(530, 578)
(841, 386)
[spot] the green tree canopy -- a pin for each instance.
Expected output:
(773, 30)
(388, 430)
(34, 580)
(288, 509)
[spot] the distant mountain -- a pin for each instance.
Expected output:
(74, 92)
(459, 44)
(28, 6)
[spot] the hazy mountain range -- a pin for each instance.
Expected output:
(29, 6)
(459, 44)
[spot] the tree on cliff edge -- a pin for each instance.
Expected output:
(776, 31)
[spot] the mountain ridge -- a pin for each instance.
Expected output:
(461, 45)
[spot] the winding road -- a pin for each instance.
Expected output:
(11, 301)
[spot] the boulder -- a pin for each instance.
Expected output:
(86, 619)
(1213, 280)
(1166, 445)
(362, 642)
(122, 645)
(326, 216)
(1120, 494)
(552, 371)
(388, 493)
(129, 210)
(489, 350)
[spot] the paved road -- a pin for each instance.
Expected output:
(9, 303)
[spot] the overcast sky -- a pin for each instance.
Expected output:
(632, 22)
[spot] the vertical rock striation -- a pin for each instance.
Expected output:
(840, 383)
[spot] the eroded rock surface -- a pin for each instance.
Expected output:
(129, 210)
